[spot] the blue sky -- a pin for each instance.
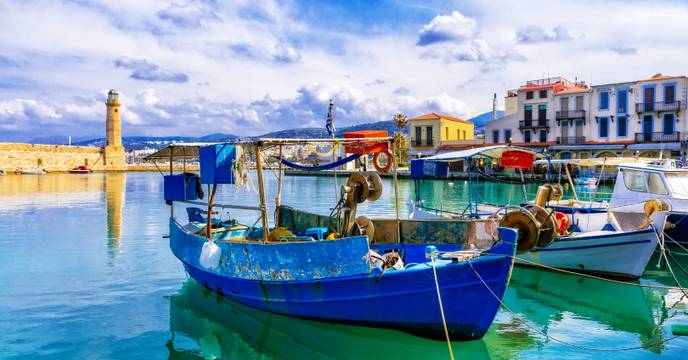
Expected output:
(249, 67)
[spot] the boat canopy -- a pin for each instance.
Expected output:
(493, 152)
(190, 150)
(599, 161)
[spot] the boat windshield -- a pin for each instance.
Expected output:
(678, 182)
(643, 181)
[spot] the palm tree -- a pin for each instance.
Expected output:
(400, 121)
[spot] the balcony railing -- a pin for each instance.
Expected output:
(570, 114)
(659, 106)
(646, 137)
(533, 124)
(570, 140)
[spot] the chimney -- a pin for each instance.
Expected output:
(494, 106)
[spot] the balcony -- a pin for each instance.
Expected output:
(533, 124)
(657, 137)
(570, 114)
(570, 140)
(659, 106)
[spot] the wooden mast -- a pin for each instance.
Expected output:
(261, 193)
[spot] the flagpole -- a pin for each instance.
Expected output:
(332, 130)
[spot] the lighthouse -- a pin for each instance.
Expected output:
(113, 154)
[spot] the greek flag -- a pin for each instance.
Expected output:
(329, 125)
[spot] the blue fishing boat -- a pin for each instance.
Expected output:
(337, 268)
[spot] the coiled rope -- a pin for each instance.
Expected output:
(563, 342)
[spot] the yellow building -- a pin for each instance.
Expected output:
(428, 132)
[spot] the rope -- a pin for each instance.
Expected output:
(563, 342)
(439, 300)
(320, 167)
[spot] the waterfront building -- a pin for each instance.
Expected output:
(573, 120)
(428, 133)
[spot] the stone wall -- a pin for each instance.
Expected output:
(58, 157)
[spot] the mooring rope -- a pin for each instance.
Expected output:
(563, 342)
(439, 300)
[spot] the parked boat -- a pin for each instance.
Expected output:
(39, 171)
(2, 172)
(358, 275)
(81, 169)
(609, 244)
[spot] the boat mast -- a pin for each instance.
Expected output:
(396, 187)
(171, 202)
(278, 198)
(261, 193)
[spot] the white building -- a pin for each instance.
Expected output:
(644, 117)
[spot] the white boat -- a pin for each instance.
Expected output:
(639, 181)
(615, 244)
(39, 171)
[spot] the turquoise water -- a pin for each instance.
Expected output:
(85, 273)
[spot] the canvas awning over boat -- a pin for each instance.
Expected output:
(190, 150)
(493, 152)
(608, 161)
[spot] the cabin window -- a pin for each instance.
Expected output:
(678, 183)
(642, 181)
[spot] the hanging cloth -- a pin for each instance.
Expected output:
(331, 165)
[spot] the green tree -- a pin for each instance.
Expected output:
(401, 143)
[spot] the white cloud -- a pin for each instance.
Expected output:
(534, 34)
(447, 28)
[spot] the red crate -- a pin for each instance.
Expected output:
(363, 148)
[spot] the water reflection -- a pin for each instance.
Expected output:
(204, 324)
(563, 298)
(115, 186)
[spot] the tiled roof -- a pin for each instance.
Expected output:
(660, 77)
(432, 116)
(573, 90)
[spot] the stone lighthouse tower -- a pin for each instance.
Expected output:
(113, 155)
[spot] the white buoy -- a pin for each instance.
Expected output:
(210, 255)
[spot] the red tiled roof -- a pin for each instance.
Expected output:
(431, 116)
(573, 90)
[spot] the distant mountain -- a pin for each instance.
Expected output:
(156, 142)
(59, 139)
(484, 118)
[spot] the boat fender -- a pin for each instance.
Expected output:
(388, 157)
(562, 222)
(210, 255)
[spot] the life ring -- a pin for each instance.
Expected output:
(376, 161)
(562, 222)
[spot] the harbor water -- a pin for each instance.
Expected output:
(86, 273)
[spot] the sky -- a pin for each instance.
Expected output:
(194, 68)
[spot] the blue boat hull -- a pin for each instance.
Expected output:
(404, 300)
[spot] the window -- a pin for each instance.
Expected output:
(668, 124)
(495, 136)
(678, 183)
(526, 136)
(543, 94)
(603, 127)
(458, 132)
(528, 115)
(543, 136)
(669, 94)
(604, 100)
(429, 135)
(542, 114)
(621, 101)
(642, 181)
(418, 140)
(622, 126)
(464, 134)
(507, 135)
(529, 95)
(446, 133)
